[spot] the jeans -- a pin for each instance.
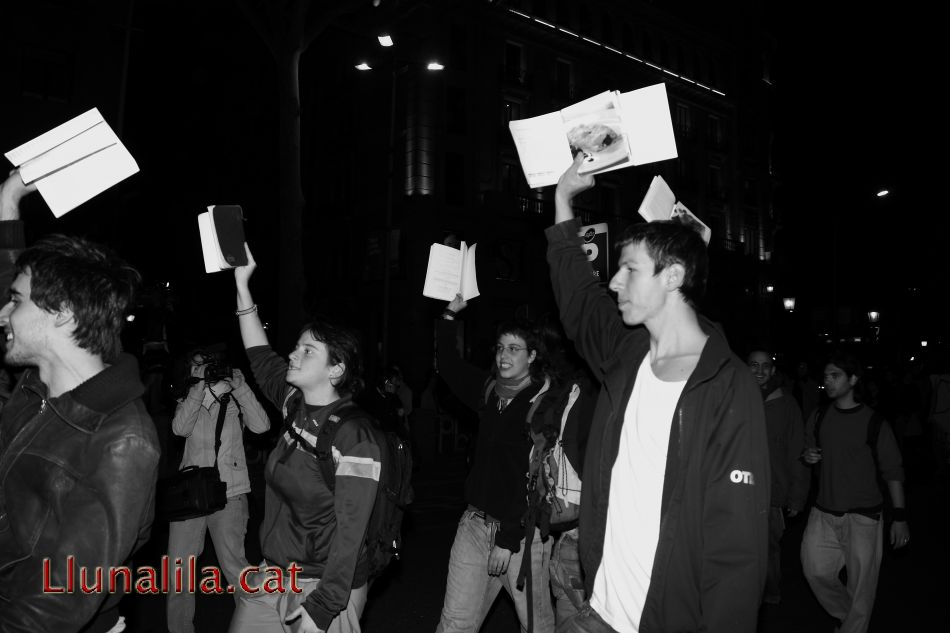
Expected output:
(470, 591)
(585, 620)
(830, 543)
(773, 576)
(187, 538)
(566, 582)
(265, 612)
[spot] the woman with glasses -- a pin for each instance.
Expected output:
(489, 543)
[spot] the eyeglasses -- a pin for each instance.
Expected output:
(512, 349)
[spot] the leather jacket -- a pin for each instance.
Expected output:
(77, 488)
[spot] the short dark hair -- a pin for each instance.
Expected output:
(846, 362)
(671, 242)
(86, 278)
(343, 346)
(527, 330)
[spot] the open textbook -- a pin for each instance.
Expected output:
(451, 271)
(221, 228)
(74, 162)
(612, 129)
(660, 203)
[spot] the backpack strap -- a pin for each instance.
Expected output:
(325, 437)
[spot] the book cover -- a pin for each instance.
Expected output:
(221, 229)
(614, 130)
(74, 161)
(451, 271)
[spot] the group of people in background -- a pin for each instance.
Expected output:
(682, 460)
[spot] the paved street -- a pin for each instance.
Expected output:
(912, 595)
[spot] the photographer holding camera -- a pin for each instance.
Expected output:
(214, 383)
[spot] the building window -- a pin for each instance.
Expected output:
(514, 63)
(510, 111)
(714, 130)
(564, 79)
(714, 181)
(684, 120)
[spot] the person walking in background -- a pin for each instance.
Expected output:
(489, 544)
(850, 444)
(214, 386)
(790, 477)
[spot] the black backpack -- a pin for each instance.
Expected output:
(384, 531)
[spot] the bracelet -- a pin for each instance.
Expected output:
(899, 514)
(250, 310)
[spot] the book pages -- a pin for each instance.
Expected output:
(689, 218)
(443, 273)
(658, 202)
(210, 252)
(542, 148)
(469, 283)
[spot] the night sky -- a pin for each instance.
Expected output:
(857, 110)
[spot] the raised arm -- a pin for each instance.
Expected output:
(252, 330)
(569, 185)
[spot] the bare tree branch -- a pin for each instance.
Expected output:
(320, 20)
(262, 21)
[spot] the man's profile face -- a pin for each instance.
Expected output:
(26, 326)
(641, 294)
(837, 383)
(762, 367)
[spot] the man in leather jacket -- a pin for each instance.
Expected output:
(78, 451)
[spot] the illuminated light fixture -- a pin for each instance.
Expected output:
(789, 303)
(636, 59)
(702, 86)
(721, 94)
(923, 343)
(568, 32)
(613, 50)
(856, 339)
(385, 40)
(882, 193)
(587, 39)
(669, 73)
(168, 284)
(544, 23)
(658, 68)
(435, 66)
(874, 316)
(770, 289)
(363, 66)
(911, 359)
(520, 13)
(130, 318)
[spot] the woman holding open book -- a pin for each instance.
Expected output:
(489, 543)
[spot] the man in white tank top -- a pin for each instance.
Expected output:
(677, 443)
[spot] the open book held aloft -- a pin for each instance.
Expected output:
(660, 203)
(451, 271)
(74, 161)
(221, 229)
(612, 129)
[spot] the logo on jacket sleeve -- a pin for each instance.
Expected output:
(742, 477)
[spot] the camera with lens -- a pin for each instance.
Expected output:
(216, 368)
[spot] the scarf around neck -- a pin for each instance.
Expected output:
(507, 388)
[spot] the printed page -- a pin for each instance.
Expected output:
(469, 283)
(542, 148)
(66, 189)
(646, 116)
(444, 273)
(658, 202)
(595, 127)
(87, 143)
(689, 218)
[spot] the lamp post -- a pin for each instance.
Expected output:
(789, 304)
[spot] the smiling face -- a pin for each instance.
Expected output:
(762, 368)
(512, 358)
(309, 365)
(641, 294)
(27, 327)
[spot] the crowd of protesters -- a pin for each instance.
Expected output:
(662, 466)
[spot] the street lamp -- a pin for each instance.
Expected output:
(873, 316)
(789, 303)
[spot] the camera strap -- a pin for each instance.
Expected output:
(223, 401)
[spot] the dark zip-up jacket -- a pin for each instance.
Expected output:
(323, 531)
(496, 482)
(709, 569)
(77, 479)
